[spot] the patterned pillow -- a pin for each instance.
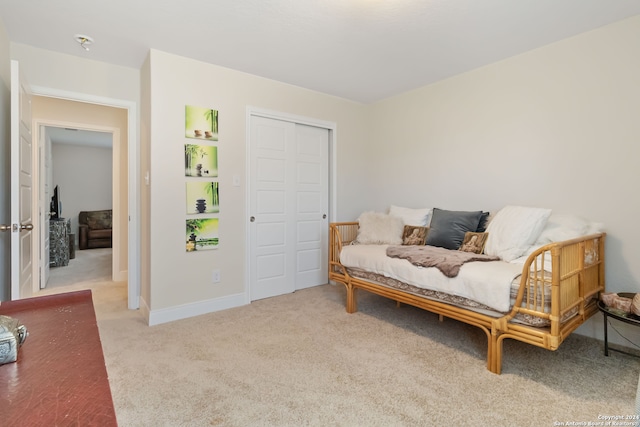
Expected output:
(474, 242)
(414, 235)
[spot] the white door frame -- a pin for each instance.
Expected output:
(43, 214)
(116, 166)
(303, 120)
(133, 272)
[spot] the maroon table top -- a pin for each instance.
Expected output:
(60, 378)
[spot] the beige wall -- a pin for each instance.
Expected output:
(47, 110)
(48, 69)
(557, 127)
(178, 278)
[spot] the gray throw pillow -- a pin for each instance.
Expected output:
(484, 221)
(447, 228)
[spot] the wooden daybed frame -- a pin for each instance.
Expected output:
(576, 279)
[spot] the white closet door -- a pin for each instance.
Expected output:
(288, 207)
(311, 205)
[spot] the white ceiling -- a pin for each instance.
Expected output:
(363, 50)
(79, 137)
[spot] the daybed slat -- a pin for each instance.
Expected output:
(576, 278)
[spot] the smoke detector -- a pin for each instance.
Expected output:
(85, 41)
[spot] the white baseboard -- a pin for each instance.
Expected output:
(164, 315)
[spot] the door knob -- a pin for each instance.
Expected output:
(324, 216)
(252, 219)
(16, 227)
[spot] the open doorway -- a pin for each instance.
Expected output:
(86, 147)
(78, 181)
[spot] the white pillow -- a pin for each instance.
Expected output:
(418, 217)
(379, 229)
(561, 227)
(513, 230)
(595, 227)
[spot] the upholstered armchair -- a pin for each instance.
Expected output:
(94, 229)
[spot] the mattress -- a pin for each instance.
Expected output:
(488, 283)
(501, 279)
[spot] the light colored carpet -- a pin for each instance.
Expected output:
(90, 265)
(301, 360)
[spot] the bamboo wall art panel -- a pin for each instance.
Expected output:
(201, 123)
(202, 194)
(203, 197)
(202, 234)
(200, 160)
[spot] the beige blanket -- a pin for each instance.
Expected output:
(446, 260)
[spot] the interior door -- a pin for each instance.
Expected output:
(311, 205)
(288, 207)
(21, 187)
(270, 228)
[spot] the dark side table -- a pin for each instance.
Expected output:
(631, 319)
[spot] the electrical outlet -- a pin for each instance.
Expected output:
(215, 276)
